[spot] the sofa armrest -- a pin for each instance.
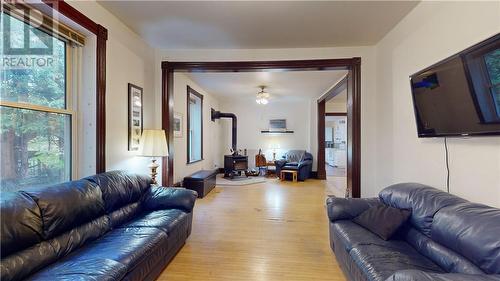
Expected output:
(159, 198)
(417, 275)
(348, 208)
(280, 163)
(305, 163)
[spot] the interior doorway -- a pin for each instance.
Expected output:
(353, 67)
(340, 143)
(336, 146)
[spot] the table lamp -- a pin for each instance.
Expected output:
(274, 146)
(153, 144)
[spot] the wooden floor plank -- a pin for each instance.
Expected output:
(269, 231)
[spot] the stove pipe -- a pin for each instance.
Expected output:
(218, 115)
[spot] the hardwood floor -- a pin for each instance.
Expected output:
(269, 231)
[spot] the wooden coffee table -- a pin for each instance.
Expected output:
(294, 174)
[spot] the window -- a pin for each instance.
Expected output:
(194, 126)
(492, 61)
(36, 106)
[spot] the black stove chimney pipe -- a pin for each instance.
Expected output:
(218, 115)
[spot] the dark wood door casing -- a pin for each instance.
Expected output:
(353, 65)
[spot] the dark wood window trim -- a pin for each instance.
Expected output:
(102, 36)
(191, 91)
(353, 65)
(336, 114)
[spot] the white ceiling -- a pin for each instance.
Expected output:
(291, 85)
(259, 24)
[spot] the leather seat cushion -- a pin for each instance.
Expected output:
(292, 168)
(175, 223)
(378, 262)
(166, 220)
(128, 246)
(352, 235)
(84, 269)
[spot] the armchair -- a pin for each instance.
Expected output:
(298, 160)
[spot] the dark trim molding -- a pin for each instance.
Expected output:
(353, 65)
(191, 91)
(102, 36)
(167, 119)
(250, 66)
(321, 168)
(354, 126)
(336, 114)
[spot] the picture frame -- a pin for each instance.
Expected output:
(177, 125)
(135, 116)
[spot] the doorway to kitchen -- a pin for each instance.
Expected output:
(336, 139)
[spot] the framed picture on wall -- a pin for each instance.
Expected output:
(135, 124)
(177, 125)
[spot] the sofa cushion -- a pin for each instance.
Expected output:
(382, 220)
(348, 208)
(120, 188)
(125, 213)
(290, 167)
(21, 222)
(67, 205)
(424, 201)
(472, 230)
(378, 262)
(84, 269)
(166, 220)
(22, 263)
(175, 223)
(446, 258)
(351, 235)
(128, 246)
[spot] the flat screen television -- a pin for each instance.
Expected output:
(460, 95)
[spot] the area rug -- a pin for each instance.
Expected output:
(238, 181)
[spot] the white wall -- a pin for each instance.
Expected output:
(252, 118)
(129, 60)
(336, 105)
(431, 32)
(368, 118)
(211, 132)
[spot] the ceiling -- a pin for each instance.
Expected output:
(259, 24)
(290, 85)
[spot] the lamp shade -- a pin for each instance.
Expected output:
(153, 143)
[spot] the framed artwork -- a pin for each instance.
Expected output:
(135, 124)
(177, 125)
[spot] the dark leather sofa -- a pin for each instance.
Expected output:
(111, 226)
(446, 238)
(298, 160)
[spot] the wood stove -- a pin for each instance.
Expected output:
(233, 164)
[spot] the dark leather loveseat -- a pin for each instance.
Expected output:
(445, 238)
(298, 160)
(111, 226)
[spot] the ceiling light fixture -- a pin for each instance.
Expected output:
(262, 96)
